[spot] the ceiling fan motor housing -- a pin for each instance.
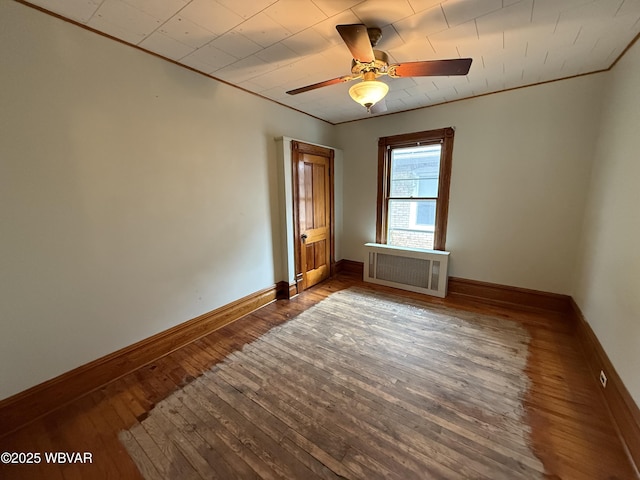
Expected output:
(375, 34)
(379, 65)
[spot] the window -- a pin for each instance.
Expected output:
(414, 171)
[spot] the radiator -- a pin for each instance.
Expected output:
(416, 270)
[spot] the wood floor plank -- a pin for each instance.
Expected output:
(369, 415)
(256, 436)
(380, 452)
(409, 367)
(223, 460)
(103, 417)
(192, 446)
(145, 465)
(309, 433)
(357, 395)
(350, 425)
(283, 362)
(175, 464)
(154, 452)
(243, 443)
(389, 393)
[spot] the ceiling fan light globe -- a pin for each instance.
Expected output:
(369, 92)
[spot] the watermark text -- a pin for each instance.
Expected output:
(25, 458)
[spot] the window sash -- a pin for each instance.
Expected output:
(414, 170)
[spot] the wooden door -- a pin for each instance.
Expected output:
(313, 199)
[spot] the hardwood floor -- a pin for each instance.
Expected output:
(571, 433)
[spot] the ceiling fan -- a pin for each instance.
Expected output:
(369, 64)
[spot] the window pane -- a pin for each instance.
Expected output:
(426, 214)
(411, 223)
(415, 171)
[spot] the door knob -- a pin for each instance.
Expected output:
(303, 237)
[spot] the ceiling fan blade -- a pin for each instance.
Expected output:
(357, 40)
(326, 83)
(436, 68)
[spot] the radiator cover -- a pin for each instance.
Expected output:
(416, 270)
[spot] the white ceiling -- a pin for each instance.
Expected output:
(271, 46)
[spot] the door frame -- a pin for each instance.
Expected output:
(297, 149)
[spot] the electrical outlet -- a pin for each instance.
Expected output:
(603, 379)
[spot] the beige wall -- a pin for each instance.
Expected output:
(134, 195)
(607, 283)
(521, 164)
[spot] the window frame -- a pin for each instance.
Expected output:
(386, 145)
